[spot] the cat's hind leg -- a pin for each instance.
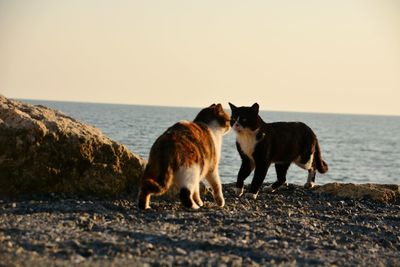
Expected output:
(215, 182)
(308, 163)
(153, 183)
(147, 188)
(310, 179)
(144, 200)
(188, 179)
(196, 196)
(186, 199)
(281, 171)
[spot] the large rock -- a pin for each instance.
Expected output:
(375, 192)
(42, 150)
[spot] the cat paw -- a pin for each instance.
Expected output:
(147, 207)
(270, 189)
(309, 185)
(273, 187)
(200, 202)
(252, 195)
(239, 191)
(144, 205)
(195, 206)
(220, 201)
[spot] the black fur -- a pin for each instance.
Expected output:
(281, 143)
(184, 195)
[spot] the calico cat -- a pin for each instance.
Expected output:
(260, 144)
(184, 155)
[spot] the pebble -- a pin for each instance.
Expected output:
(181, 251)
(292, 222)
(150, 246)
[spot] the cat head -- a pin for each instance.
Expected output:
(214, 116)
(245, 118)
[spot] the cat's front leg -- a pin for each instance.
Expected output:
(258, 179)
(245, 169)
(215, 182)
(281, 170)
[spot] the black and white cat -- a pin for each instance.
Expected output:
(260, 144)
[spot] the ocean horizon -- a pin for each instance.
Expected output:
(225, 105)
(358, 148)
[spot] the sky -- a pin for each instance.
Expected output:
(339, 56)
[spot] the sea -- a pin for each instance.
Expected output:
(357, 148)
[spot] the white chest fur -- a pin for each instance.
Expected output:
(247, 141)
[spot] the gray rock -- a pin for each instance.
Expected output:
(375, 192)
(43, 150)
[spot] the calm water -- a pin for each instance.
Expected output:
(358, 149)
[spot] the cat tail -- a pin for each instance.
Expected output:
(321, 165)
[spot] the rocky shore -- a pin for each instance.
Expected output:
(43, 150)
(291, 227)
(67, 197)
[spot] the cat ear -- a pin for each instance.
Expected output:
(255, 107)
(213, 105)
(233, 107)
(219, 108)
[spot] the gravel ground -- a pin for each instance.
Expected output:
(292, 226)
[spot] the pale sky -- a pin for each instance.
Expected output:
(340, 56)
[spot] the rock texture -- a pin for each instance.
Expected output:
(375, 192)
(43, 150)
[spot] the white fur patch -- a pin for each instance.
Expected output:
(247, 140)
(217, 129)
(216, 133)
(307, 165)
(188, 177)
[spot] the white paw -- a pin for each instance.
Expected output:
(309, 185)
(195, 206)
(220, 201)
(239, 191)
(269, 188)
(200, 203)
(251, 195)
